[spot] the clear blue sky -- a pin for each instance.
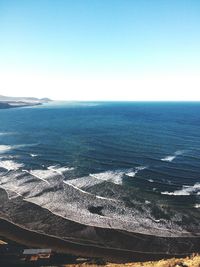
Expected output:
(97, 40)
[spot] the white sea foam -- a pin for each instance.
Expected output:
(50, 172)
(85, 182)
(137, 169)
(41, 174)
(151, 180)
(172, 157)
(77, 188)
(5, 148)
(197, 206)
(185, 191)
(10, 165)
(33, 155)
(169, 158)
(88, 193)
(60, 170)
(115, 177)
(5, 157)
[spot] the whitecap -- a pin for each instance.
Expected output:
(185, 191)
(131, 173)
(10, 165)
(172, 157)
(5, 148)
(60, 170)
(33, 155)
(168, 158)
(115, 177)
(48, 173)
(137, 169)
(197, 206)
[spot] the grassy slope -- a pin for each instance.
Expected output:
(193, 261)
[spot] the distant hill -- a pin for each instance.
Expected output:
(23, 99)
(13, 102)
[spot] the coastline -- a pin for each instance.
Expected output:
(20, 102)
(41, 209)
(8, 105)
(96, 258)
(27, 237)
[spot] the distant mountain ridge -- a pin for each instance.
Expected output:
(26, 99)
(13, 102)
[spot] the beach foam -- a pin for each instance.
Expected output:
(137, 169)
(60, 170)
(169, 158)
(5, 148)
(84, 182)
(43, 175)
(185, 191)
(115, 177)
(49, 173)
(10, 165)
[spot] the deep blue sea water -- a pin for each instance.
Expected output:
(151, 147)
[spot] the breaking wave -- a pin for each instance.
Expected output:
(172, 157)
(33, 155)
(42, 175)
(50, 172)
(60, 170)
(10, 165)
(115, 177)
(5, 148)
(137, 169)
(185, 191)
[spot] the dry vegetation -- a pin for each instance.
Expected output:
(193, 261)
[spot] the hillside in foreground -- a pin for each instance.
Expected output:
(193, 261)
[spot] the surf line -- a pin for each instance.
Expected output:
(85, 192)
(36, 176)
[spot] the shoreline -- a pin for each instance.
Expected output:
(40, 228)
(32, 238)
(7, 105)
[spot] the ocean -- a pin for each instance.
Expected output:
(132, 166)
